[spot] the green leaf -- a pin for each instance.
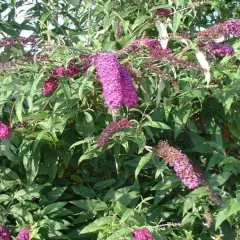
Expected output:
(193, 197)
(138, 137)
(19, 107)
(55, 193)
(83, 217)
(74, 2)
(54, 207)
(176, 21)
(180, 120)
(8, 29)
(126, 215)
(4, 197)
(83, 191)
(91, 205)
(31, 163)
(218, 136)
(51, 158)
(104, 184)
(145, 159)
(231, 207)
(119, 234)
(139, 21)
(45, 16)
(85, 124)
(98, 224)
(84, 82)
(125, 40)
(85, 140)
(161, 86)
(156, 124)
(219, 179)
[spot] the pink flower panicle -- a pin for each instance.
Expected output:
(220, 49)
(112, 128)
(233, 27)
(142, 234)
(9, 42)
(180, 163)
(130, 98)
(4, 233)
(163, 12)
(107, 67)
(50, 86)
(4, 131)
(230, 27)
(118, 88)
(23, 234)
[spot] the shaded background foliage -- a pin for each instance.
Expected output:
(54, 176)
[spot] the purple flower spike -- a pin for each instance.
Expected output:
(4, 233)
(180, 163)
(142, 234)
(23, 234)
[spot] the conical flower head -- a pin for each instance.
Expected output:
(180, 163)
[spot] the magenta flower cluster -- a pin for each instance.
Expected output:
(142, 234)
(220, 49)
(118, 88)
(163, 12)
(112, 128)
(232, 27)
(72, 70)
(50, 86)
(4, 233)
(180, 163)
(4, 131)
(229, 28)
(23, 234)
(9, 42)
